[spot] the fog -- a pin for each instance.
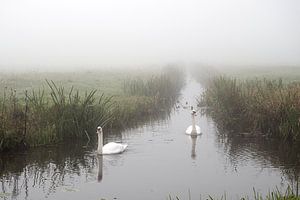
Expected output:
(57, 34)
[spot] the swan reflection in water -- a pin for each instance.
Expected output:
(194, 142)
(100, 168)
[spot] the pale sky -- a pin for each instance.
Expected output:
(67, 33)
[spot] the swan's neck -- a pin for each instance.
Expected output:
(193, 124)
(100, 142)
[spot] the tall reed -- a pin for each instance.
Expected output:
(267, 106)
(54, 114)
(165, 85)
(12, 118)
(39, 119)
(151, 96)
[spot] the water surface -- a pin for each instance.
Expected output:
(160, 160)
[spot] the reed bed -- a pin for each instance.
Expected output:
(55, 114)
(256, 106)
(164, 86)
(150, 97)
(38, 119)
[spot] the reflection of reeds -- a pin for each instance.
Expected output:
(42, 169)
(267, 106)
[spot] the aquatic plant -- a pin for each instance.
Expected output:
(162, 86)
(37, 119)
(56, 113)
(266, 106)
(150, 96)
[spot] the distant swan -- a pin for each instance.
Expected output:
(109, 148)
(186, 105)
(193, 129)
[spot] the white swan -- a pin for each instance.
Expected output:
(193, 129)
(109, 148)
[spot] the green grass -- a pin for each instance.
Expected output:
(109, 82)
(289, 194)
(288, 74)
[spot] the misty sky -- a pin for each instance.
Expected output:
(41, 33)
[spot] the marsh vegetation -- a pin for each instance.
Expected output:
(258, 106)
(55, 113)
(212, 164)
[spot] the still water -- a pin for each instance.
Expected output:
(160, 160)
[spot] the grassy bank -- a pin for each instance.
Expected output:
(256, 106)
(274, 195)
(204, 73)
(50, 112)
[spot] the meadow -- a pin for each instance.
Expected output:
(44, 108)
(288, 74)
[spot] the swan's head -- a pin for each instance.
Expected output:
(99, 130)
(193, 110)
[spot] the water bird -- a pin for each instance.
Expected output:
(109, 148)
(193, 129)
(185, 106)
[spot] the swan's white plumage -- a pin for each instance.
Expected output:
(193, 129)
(109, 148)
(113, 148)
(189, 130)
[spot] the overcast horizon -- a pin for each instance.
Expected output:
(65, 34)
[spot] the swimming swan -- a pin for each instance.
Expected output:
(109, 148)
(193, 129)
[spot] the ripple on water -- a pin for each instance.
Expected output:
(160, 160)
